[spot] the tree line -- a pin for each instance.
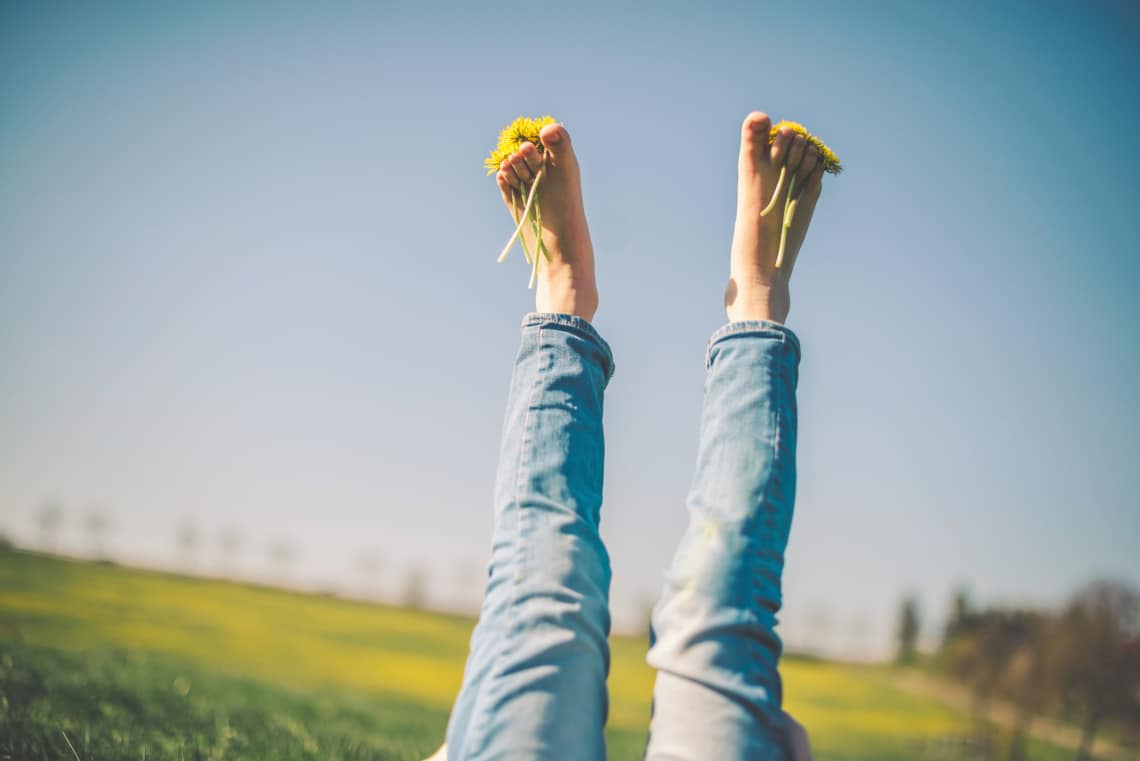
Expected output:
(1080, 663)
(197, 551)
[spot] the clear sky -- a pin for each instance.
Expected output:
(247, 280)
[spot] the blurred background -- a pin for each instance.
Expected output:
(252, 330)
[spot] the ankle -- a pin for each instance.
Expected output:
(580, 299)
(757, 301)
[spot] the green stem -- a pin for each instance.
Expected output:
(541, 248)
(789, 212)
(517, 204)
(776, 192)
(537, 245)
(534, 271)
(536, 227)
(515, 216)
(525, 215)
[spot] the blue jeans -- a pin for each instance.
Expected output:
(534, 685)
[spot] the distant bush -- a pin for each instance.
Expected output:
(1083, 661)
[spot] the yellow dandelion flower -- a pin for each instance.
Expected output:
(830, 160)
(830, 164)
(524, 129)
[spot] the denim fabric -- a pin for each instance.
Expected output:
(534, 686)
(718, 692)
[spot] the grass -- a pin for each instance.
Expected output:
(131, 664)
(111, 704)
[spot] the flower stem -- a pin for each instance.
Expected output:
(525, 215)
(776, 192)
(536, 227)
(534, 271)
(789, 212)
(515, 209)
(541, 247)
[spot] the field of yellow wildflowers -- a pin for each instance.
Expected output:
(104, 662)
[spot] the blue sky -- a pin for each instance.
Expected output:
(247, 279)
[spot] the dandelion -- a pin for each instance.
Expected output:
(830, 164)
(523, 130)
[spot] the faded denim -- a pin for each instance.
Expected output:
(534, 685)
(715, 648)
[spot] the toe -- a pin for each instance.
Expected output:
(506, 187)
(506, 173)
(754, 138)
(780, 145)
(807, 165)
(520, 169)
(815, 182)
(756, 126)
(556, 140)
(531, 156)
(796, 152)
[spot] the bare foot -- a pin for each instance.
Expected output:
(566, 283)
(757, 289)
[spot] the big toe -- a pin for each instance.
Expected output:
(556, 140)
(754, 132)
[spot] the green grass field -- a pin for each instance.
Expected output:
(129, 664)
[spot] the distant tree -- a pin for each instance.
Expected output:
(282, 553)
(996, 636)
(187, 539)
(415, 588)
(229, 543)
(820, 627)
(859, 634)
(1098, 640)
(96, 525)
(466, 586)
(1030, 677)
(961, 618)
(909, 626)
(49, 517)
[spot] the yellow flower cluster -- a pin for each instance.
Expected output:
(527, 208)
(830, 160)
(526, 129)
(522, 130)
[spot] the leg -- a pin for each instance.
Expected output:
(718, 691)
(534, 686)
